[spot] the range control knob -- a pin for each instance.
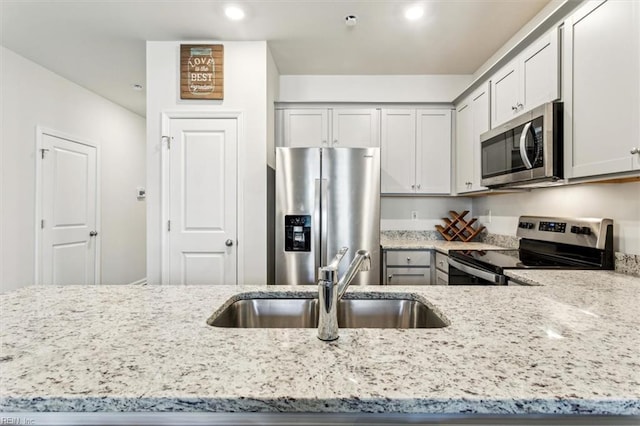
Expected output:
(580, 230)
(526, 225)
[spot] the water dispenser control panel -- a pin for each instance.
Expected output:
(297, 233)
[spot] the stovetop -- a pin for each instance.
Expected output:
(549, 243)
(499, 260)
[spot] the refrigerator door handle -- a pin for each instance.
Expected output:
(316, 227)
(324, 225)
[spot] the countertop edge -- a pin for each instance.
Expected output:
(525, 406)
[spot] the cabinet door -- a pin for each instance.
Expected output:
(433, 151)
(602, 93)
(480, 106)
(504, 89)
(398, 151)
(305, 128)
(356, 128)
(407, 276)
(539, 72)
(464, 147)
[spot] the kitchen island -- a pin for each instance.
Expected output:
(566, 346)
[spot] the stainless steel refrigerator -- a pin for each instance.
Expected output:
(326, 198)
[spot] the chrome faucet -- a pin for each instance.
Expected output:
(330, 290)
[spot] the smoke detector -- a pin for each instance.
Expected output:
(351, 20)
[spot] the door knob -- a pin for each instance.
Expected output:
(228, 243)
(93, 233)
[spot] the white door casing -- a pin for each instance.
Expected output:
(67, 210)
(201, 201)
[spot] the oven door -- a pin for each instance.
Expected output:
(463, 274)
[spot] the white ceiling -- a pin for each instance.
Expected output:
(100, 44)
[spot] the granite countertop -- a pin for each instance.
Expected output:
(408, 240)
(569, 346)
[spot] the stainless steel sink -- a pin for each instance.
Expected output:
(303, 313)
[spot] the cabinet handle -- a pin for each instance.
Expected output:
(335, 141)
(324, 141)
(441, 263)
(520, 106)
(514, 108)
(408, 260)
(635, 151)
(413, 187)
(418, 186)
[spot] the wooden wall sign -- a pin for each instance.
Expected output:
(201, 71)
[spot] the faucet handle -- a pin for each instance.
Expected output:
(330, 272)
(336, 260)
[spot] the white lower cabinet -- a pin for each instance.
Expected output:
(472, 119)
(415, 151)
(407, 267)
(602, 89)
(442, 268)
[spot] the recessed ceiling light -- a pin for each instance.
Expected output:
(414, 12)
(351, 20)
(234, 13)
(137, 87)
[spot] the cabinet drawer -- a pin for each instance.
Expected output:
(408, 258)
(408, 276)
(442, 262)
(442, 278)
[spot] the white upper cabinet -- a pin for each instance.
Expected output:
(464, 146)
(602, 89)
(505, 89)
(397, 151)
(356, 128)
(472, 119)
(529, 80)
(433, 151)
(330, 127)
(305, 128)
(416, 151)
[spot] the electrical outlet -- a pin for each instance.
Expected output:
(414, 215)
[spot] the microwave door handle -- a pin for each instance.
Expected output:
(498, 279)
(523, 147)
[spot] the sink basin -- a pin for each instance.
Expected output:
(303, 313)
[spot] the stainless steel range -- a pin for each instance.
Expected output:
(545, 243)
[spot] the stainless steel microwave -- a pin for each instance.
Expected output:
(526, 151)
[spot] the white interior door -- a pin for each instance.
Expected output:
(69, 208)
(202, 201)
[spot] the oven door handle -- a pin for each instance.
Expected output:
(494, 278)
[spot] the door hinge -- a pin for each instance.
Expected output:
(43, 151)
(42, 224)
(169, 225)
(168, 138)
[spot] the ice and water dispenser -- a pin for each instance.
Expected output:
(297, 233)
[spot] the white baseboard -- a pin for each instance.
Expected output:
(139, 282)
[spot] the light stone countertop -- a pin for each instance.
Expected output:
(410, 242)
(567, 347)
